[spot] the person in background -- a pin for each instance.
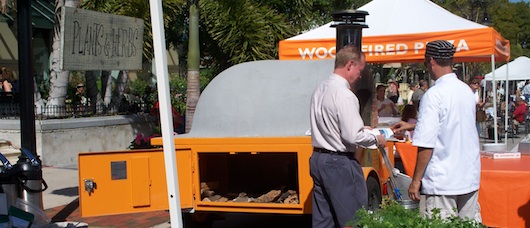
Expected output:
(80, 101)
(447, 141)
(474, 84)
(520, 112)
(9, 83)
(500, 90)
(392, 92)
(418, 94)
(410, 115)
(337, 131)
(413, 87)
(526, 91)
(385, 107)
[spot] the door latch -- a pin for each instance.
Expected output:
(90, 185)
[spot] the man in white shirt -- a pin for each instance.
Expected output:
(448, 163)
(337, 131)
(526, 91)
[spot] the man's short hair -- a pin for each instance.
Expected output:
(441, 51)
(380, 86)
(347, 53)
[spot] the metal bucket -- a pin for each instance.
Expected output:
(410, 204)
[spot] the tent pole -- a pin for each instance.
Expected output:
(506, 86)
(494, 94)
(166, 118)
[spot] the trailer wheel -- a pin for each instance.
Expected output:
(374, 194)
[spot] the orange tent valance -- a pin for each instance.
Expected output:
(474, 45)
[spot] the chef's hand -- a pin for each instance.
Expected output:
(414, 190)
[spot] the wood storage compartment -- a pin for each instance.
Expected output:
(248, 178)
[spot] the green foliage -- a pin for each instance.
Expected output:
(321, 9)
(234, 31)
(142, 88)
(178, 87)
(243, 30)
(392, 214)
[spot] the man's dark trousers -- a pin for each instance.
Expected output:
(339, 189)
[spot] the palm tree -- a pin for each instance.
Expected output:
(58, 78)
(193, 89)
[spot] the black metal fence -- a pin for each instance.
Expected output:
(9, 109)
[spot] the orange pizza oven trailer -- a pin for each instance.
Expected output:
(249, 135)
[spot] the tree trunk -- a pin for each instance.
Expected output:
(58, 78)
(193, 90)
(39, 102)
(121, 83)
(106, 87)
(92, 92)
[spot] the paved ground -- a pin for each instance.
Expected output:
(61, 203)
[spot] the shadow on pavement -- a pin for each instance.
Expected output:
(63, 214)
(70, 191)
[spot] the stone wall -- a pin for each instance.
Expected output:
(60, 140)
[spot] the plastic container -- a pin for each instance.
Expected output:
(40, 218)
(494, 147)
(20, 218)
(409, 204)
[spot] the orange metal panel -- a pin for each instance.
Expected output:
(185, 171)
(140, 182)
(114, 187)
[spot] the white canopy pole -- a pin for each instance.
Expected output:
(494, 93)
(506, 95)
(166, 118)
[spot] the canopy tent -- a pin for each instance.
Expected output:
(518, 69)
(398, 31)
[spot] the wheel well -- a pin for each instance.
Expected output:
(370, 172)
(375, 176)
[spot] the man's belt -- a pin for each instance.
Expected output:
(326, 151)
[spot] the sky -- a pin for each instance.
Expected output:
(519, 0)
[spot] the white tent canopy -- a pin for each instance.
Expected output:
(518, 69)
(394, 17)
(398, 31)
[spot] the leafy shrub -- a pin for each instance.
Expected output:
(392, 214)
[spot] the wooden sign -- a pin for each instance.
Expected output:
(93, 40)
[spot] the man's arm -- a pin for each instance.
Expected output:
(424, 156)
(395, 110)
(402, 126)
